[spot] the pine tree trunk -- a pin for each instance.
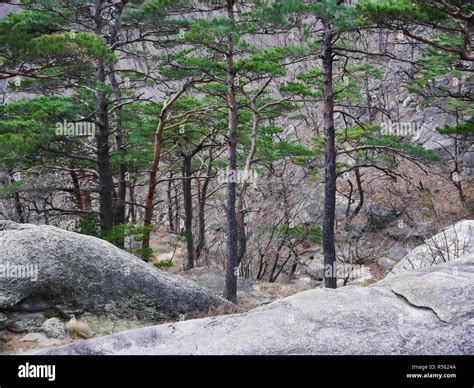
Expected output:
(329, 249)
(77, 189)
(188, 212)
(20, 216)
(149, 204)
(170, 203)
(131, 209)
(201, 242)
(106, 184)
(120, 203)
(230, 290)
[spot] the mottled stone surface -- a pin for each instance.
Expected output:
(425, 311)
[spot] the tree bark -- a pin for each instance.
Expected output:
(16, 197)
(131, 209)
(169, 196)
(188, 212)
(19, 209)
(149, 203)
(230, 290)
(77, 189)
(329, 249)
(361, 194)
(120, 203)
(106, 184)
(201, 241)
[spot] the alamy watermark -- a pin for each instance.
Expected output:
(19, 271)
(343, 270)
(399, 128)
(31, 371)
(238, 176)
(80, 128)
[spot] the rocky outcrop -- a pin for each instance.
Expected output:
(427, 121)
(468, 161)
(49, 268)
(426, 311)
(450, 244)
(378, 217)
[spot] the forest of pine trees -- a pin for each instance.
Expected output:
(212, 120)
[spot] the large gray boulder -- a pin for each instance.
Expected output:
(75, 273)
(450, 244)
(426, 311)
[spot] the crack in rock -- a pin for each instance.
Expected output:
(403, 297)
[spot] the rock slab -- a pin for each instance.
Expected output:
(425, 311)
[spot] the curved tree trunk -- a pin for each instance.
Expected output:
(242, 236)
(149, 202)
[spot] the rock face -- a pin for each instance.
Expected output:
(75, 273)
(54, 328)
(452, 243)
(428, 120)
(379, 216)
(468, 161)
(3, 321)
(426, 311)
(316, 270)
(385, 263)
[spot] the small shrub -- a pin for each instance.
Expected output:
(145, 253)
(125, 236)
(164, 264)
(77, 329)
(89, 224)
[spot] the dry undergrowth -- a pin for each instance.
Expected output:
(279, 290)
(224, 309)
(14, 344)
